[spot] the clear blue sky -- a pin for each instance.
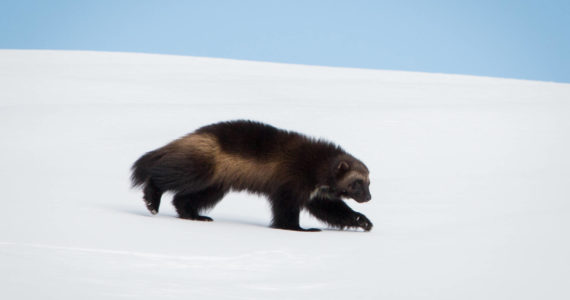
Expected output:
(524, 39)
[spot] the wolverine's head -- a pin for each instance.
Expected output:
(351, 179)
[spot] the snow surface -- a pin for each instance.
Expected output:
(470, 182)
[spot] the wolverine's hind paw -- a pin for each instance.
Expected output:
(153, 210)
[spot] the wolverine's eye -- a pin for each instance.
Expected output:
(356, 184)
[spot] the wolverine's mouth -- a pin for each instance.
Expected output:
(362, 200)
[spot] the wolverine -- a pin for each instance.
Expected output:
(295, 172)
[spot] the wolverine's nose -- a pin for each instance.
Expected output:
(365, 198)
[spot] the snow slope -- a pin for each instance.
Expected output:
(470, 182)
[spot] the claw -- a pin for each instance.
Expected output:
(363, 222)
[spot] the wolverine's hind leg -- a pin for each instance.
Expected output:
(152, 195)
(189, 205)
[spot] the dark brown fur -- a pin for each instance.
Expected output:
(294, 171)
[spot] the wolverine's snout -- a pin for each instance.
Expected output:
(364, 198)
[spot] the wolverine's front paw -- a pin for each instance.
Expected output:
(295, 227)
(196, 218)
(363, 222)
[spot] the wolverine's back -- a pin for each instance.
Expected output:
(249, 139)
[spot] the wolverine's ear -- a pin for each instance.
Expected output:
(342, 167)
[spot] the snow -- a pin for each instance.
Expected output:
(470, 182)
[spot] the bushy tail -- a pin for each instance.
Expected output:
(141, 168)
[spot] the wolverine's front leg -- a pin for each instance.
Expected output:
(337, 214)
(286, 209)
